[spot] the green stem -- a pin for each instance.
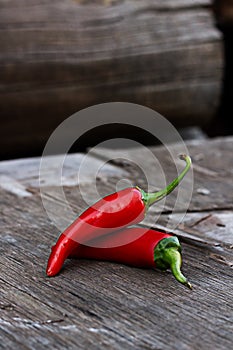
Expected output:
(167, 253)
(151, 198)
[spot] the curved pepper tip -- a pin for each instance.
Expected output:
(59, 253)
(168, 254)
(188, 284)
(54, 265)
(50, 271)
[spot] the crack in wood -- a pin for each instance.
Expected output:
(172, 9)
(221, 259)
(201, 220)
(6, 306)
(37, 299)
(224, 208)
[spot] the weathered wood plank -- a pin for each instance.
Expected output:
(57, 58)
(21, 176)
(212, 227)
(212, 168)
(87, 303)
(101, 305)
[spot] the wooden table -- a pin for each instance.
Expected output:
(101, 305)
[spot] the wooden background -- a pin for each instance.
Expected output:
(59, 57)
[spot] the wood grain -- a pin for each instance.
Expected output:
(100, 305)
(57, 58)
(212, 171)
(103, 304)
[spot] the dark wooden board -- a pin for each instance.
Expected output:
(59, 57)
(100, 305)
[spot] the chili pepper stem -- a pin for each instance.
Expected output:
(173, 257)
(151, 198)
(167, 254)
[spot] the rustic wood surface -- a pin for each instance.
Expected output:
(101, 305)
(59, 57)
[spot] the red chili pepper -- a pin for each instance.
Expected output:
(138, 247)
(117, 210)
